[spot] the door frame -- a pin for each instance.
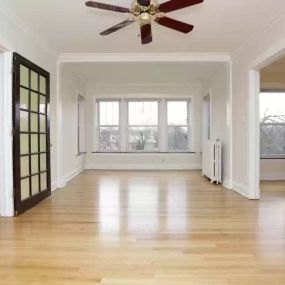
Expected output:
(6, 139)
(253, 112)
(19, 205)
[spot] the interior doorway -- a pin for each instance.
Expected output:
(272, 124)
(259, 89)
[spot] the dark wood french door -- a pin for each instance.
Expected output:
(31, 143)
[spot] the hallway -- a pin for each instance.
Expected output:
(140, 228)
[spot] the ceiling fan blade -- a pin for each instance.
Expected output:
(107, 7)
(117, 27)
(144, 2)
(175, 25)
(146, 34)
(173, 5)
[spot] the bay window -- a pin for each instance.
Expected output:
(154, 125)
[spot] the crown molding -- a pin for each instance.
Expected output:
(143, 57)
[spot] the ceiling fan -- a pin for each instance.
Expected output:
(144, 11)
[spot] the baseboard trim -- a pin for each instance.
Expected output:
(273, 176)
(54, 186)
(66, 178)
(227, 183)
(94, 166)
(240, 189)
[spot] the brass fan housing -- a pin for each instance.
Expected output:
(144, 14)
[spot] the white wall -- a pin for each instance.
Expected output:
(15, 36)
(144, 161)
(269, 42)
(272, 169)
(71, 86)
(219, 87)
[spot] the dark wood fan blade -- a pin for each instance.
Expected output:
(144, 2)
(146, 34)
(174, 24)
(107, 7)
(118, 27)
(173, 5)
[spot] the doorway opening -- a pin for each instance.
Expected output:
(272, 126)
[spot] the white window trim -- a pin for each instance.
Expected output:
(128, 126)
(98, 126)
(80, 98)
(162, 123)
(188, 125)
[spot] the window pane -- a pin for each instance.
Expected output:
(42, 85)
(34, 81)
(25, 189)
(143, 113)
(177, 138)
(272, 138)
(24, 98)
(109, 113)
(35, 185)
(24, 121)
(34, 123)
(143, 138)
(24, 76)
(109, 139)
(272, 120)
(177, 113)
(25, 166)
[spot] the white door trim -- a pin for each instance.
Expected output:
(265, 59)
(6, 124)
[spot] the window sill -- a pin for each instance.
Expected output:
(273, 158)
(81, 154)
(155, 153)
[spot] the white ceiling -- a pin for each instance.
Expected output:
(146, 73)
(220, 25)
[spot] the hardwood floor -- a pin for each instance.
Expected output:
(147, 228)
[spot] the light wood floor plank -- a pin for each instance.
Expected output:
(147, 228)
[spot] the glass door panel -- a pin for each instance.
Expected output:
(31, 141)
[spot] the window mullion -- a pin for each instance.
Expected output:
(123, 125)
(163, 129)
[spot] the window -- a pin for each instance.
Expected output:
(81, 124)
(177, 121)
(154, 125)
(143, 126)
(109, 139)
(272, 125)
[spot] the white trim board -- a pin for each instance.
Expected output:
(66, 178)
(144, 57)
(240, 189)
(6, 161)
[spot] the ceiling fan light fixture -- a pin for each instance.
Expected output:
(145, 18)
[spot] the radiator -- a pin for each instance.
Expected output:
(212, 161)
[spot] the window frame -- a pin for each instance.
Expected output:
(98, 126)
(162, 124)
(80, 99)
(188, 125)
(270, 156)
(128, 126)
